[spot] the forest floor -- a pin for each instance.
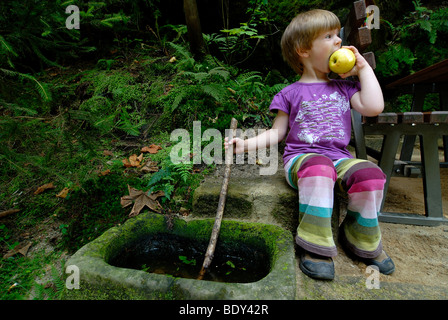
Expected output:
(419, 252)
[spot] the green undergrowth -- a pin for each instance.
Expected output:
(100, 113)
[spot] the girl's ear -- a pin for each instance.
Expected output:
(303, 53)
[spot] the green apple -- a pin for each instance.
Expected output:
(342, 61)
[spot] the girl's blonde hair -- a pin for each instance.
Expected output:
(302, 31)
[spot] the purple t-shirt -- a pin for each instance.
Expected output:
(319, 117)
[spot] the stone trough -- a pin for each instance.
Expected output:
(99, 279)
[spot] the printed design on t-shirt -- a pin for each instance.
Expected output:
(321, 120)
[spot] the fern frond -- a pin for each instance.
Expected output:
(183, 169)
(218, 92)
(40, 86)
(43, 58)
(220, 71)
(16, 108)
(109, 21)
(180, 50)
(7, 47)
(58, 282)
(199, 76)
(178, 99)
(249, 76)
(158, 176)
(187, 61)
(277, 87)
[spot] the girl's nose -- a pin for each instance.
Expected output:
(338, 40)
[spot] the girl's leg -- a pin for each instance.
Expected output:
(315, 176)
(364, 182)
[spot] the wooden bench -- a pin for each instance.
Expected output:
(429, 126)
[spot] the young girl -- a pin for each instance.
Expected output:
(314, 116)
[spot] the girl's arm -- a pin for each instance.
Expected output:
(264, 140)
(369, 101)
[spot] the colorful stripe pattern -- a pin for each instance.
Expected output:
(315, 176)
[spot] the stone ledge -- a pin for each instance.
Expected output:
(266, 198)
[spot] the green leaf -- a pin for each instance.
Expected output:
(186, 261)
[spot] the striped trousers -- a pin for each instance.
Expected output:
(315, 177)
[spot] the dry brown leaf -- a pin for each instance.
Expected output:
(108, 153)
(133, 161)
(21, 248)
(44, 187)
(141, 199)
(157, 194)
(104, 173)
(63, 194)
(151, 149)
(126, 163)
(150, 166)
(125, 201)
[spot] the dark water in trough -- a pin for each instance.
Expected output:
(183, 257)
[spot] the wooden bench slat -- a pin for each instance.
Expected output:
(437, 116)
(411, 117)
(430, 117)
(387, 117)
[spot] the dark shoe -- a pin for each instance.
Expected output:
(383, 262)
(316, 267)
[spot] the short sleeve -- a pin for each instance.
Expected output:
(280, 103)
(352, 88)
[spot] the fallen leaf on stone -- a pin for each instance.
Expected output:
(140, 200)
(44, 187)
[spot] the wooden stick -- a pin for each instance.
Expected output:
(221, 204)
